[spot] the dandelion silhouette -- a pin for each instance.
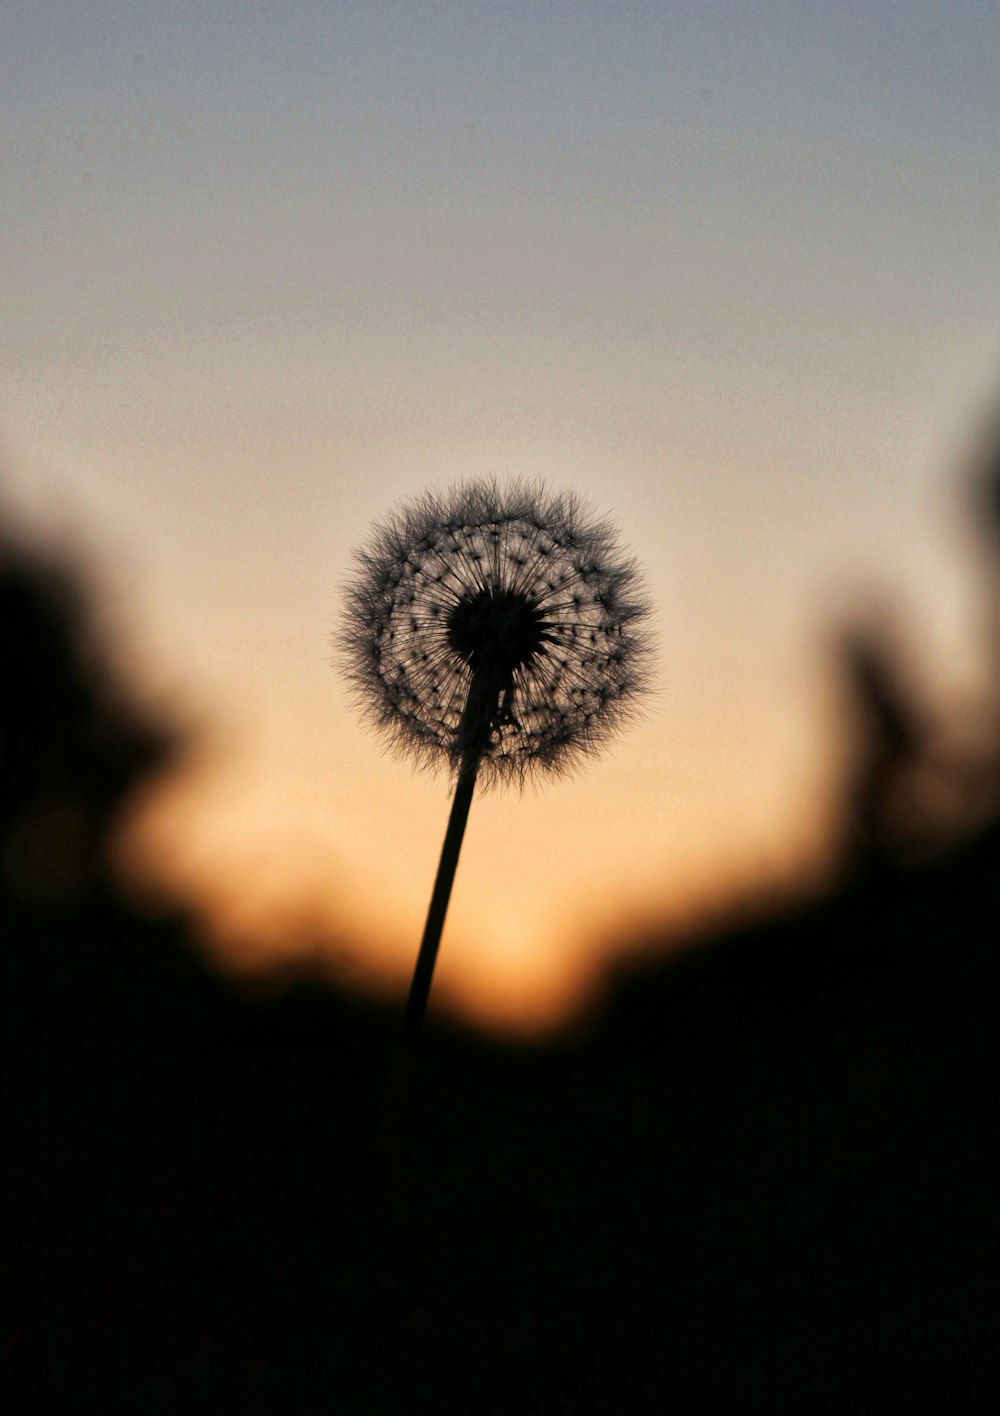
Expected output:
(499, 630)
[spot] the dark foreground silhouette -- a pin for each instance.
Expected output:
(763, 1179)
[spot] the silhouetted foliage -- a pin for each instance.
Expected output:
(72, 742)
(890, 742)
(986, 473)
(763, 1179)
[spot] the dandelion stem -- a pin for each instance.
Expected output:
(416, 1003)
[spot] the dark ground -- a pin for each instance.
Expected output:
(764, 1179)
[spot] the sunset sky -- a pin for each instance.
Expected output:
(729, 271)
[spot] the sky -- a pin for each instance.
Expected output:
(727, 271)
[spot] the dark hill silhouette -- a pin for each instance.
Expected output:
(762, 1179)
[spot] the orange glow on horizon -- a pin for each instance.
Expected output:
(275, 891)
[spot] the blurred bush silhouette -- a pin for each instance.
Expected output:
(890, 741)
(73, 744)
(763, 1178)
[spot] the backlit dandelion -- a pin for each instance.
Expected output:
(500, 631)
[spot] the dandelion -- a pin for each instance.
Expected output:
(500, 631)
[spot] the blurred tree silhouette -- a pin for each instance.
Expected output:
(985, 477)
(73, 744)
(889, 743)
(986, 474)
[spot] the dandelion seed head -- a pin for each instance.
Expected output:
(497, 620)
